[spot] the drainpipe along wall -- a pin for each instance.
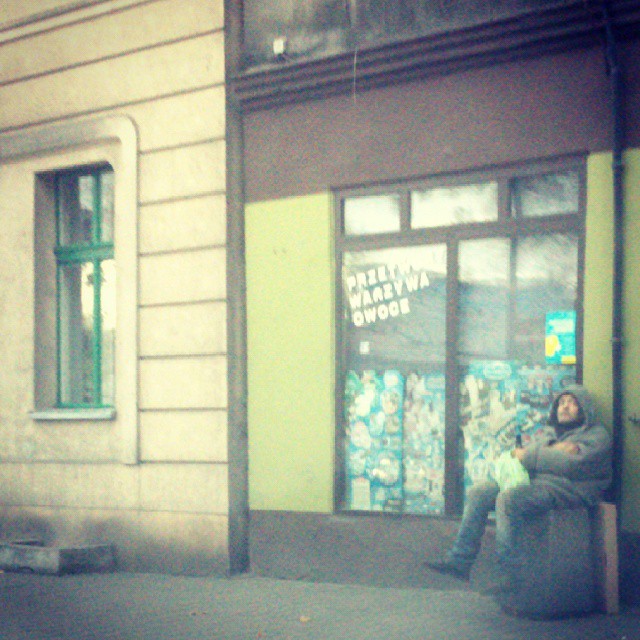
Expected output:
(236, 303)
(617, 346)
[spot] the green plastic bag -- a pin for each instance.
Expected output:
(509, 471)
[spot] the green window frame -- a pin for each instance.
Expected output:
(85, 284)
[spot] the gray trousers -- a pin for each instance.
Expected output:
(513, 508)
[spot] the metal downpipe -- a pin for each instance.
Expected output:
(617, 344)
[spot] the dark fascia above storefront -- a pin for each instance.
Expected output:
(575, 25)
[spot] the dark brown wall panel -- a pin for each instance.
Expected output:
(535, 108)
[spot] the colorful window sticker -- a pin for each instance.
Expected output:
(374, 407)
(424, 427)
(538, 387)
(394, 442)
(500, 400)
(560, 337)
(489, 395)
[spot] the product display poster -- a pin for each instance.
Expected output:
(424, 425)
(488, 413)
(373, 455)
(395, 428)
(539, 386)
(500, 400)
(560, 337)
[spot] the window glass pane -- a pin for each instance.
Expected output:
(488, 406)
(76, 349)
(338, 27)
(552, 194)
(76, 203)
(108, 328)
(443, 206)
(395, 423)
(371, 214)
(500, 400)
(483, 298)
(106, 206)
(395, 305)
(423, 439)
(395, 316)
(373, 403)
(547, 282)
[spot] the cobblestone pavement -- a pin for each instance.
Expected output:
(127, 606)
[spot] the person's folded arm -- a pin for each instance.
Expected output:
(574, 458)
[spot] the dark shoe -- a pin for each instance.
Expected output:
(449, 568)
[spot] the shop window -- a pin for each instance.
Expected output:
(457, 330)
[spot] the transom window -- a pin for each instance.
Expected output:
(460, 321)
(86, 279)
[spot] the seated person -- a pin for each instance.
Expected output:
(569, 471)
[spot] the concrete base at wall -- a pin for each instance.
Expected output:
(379, 550)
(629, 567)
(384, 550)
(34, 557)
(172, 543)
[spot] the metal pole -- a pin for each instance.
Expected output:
(617, 344)
(238, 474)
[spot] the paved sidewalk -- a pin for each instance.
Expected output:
(127, 606)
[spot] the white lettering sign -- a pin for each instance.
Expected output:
(381, 293)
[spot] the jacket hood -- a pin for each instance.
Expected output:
(584, 400)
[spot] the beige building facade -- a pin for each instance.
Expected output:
(135, 88)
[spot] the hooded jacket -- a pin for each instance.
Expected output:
(586, 474)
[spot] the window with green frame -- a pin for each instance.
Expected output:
(460, 318)
(86, 287)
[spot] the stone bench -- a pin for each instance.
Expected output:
(570, 565)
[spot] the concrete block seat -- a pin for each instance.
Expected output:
(563, 569)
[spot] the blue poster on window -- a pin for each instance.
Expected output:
(539, 386)
(374, 406)
(560, 337)
(489, 398)
(424, 427)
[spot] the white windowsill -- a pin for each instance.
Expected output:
(108, 413)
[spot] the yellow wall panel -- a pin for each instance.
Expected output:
(631, 345)
(201, 171)
(184, 383)
(598, 283)
(192, 276)
(183, 436)
(108, 35)
(198, 62)
(186, 329)
(291, 366)
(183, 224)
(598, 296)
